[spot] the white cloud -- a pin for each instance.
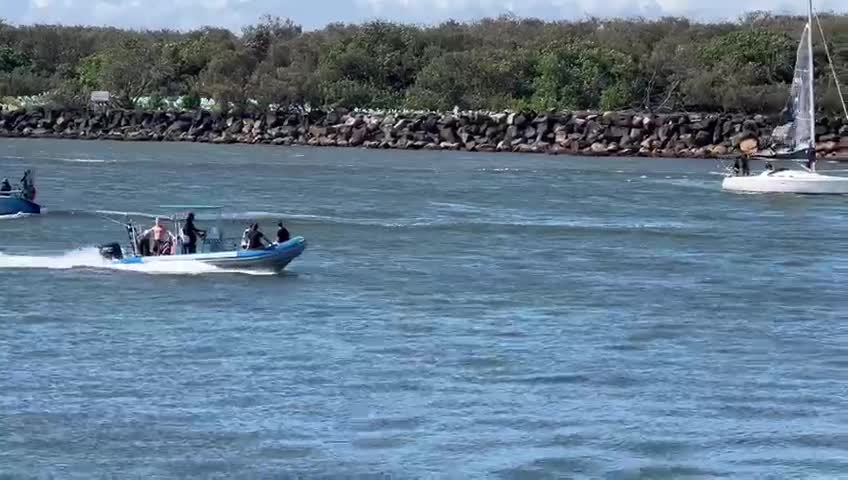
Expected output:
(236, 13)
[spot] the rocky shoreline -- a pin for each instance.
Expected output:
(688, 135)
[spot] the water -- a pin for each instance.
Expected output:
(455, 316)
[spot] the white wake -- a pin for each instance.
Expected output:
(90, 258)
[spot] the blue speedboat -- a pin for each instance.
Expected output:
(213, 249)
(14, 203)
(273, 258)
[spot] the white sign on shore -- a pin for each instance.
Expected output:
(100, 96)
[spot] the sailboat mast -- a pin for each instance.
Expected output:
(811, 154)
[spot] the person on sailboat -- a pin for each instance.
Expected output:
(190, 234)
(5, 188)
(811, 159)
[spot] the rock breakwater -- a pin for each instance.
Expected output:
(574, 133)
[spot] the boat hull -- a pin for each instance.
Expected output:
(274, 258)
(16, 205)
(788, 181)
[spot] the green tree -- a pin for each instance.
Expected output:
(582, 76)
(259, 38)
(227, 78)
(770, 56)
(477, 79)
(128, 71)
(12, 59)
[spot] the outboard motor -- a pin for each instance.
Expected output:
(111, 251)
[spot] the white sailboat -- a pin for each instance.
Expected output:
(799, 138)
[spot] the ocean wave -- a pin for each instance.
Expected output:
(60, 159)
(84, 160)
(688, 183)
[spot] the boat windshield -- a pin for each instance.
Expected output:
(210, 218)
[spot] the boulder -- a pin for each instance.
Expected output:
(636, 134)
(615, 133)
(718, 150)
(358, 136)
(235, 125)
(447, 134)
(736, 140)
(749, 146)
(703, 138)
(561, 136)
(519, 121)
(827, 147)
(598, 147)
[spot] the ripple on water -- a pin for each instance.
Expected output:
(483, 317)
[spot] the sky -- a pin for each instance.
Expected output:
(312, 14)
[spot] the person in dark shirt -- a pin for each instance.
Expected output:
(282, 234)
(190, 234)
(255, 238)
(5, 187)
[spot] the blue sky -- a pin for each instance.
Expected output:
(233, 14)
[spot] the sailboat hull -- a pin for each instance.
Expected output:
(788, 181)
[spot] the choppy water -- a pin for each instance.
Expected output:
(455, 316)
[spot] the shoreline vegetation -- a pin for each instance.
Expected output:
(373, 84)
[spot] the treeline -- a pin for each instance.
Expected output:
(493, 64)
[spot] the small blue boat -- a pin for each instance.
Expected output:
(273, 258)
(213, 249)
(14, 204)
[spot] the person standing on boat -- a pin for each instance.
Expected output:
(5, 188)
(282, 234)
(811, 159)
(255, 239)
(27, 187)
(190, 234)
